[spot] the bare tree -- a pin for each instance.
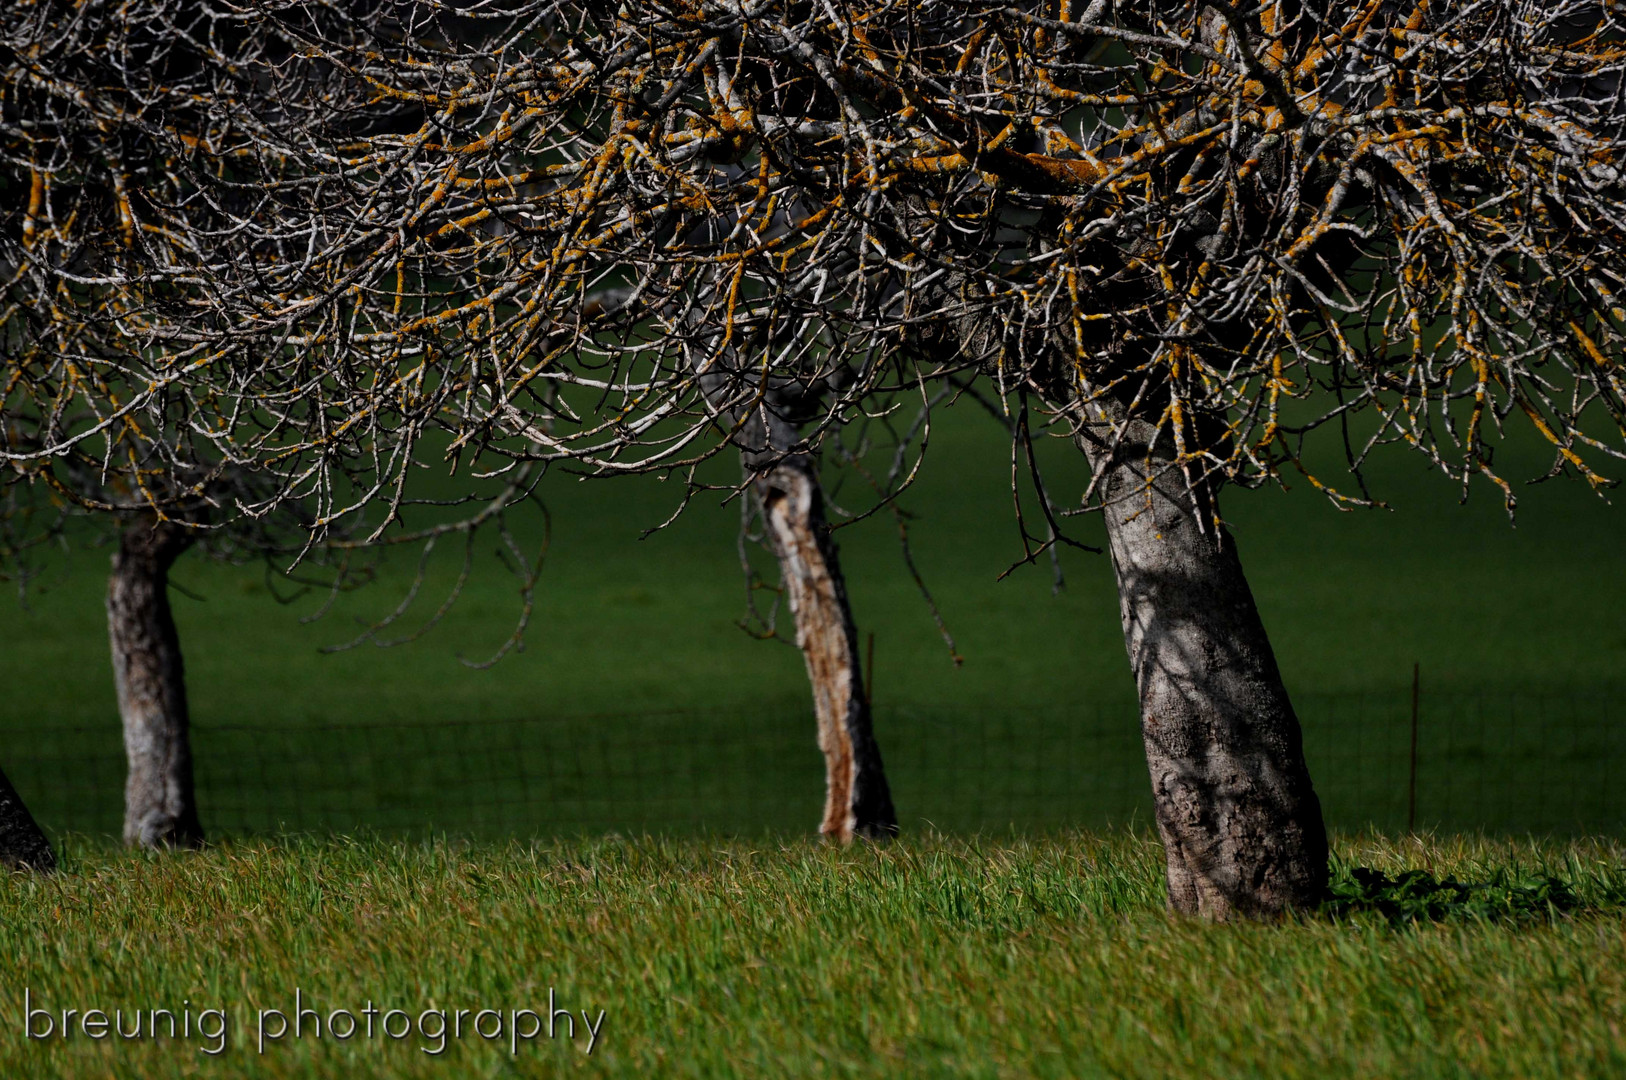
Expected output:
(785, 484)
(105, 102)
(1186, 236)
(93, 103)
(1216, 213)
(788, 497)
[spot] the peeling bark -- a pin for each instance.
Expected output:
(1240, 822)
(160, 808)
(22, 845)
(785, 484)
(857, 799)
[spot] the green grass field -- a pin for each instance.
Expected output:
(634, 660)
(1352, 600)
(732, 945)
(1040, 957)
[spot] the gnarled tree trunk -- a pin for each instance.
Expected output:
(22, 845)
(160, 809)
(1240, 822)
(857, 800)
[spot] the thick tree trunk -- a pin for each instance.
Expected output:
(1240, 822)
(22, 845)
(857, 799)
(159, 805)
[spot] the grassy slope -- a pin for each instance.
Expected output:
(623, 625)
(1351, 600)
(934, 958)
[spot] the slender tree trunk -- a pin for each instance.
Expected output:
(160, 809)
(22, 845)
(1240, 822)
(857, 800)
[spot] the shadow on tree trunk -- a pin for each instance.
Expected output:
(22, 845)
(1240, 822)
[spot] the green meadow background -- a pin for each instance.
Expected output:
(639, 703)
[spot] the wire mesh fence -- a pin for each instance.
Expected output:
(1498, 762)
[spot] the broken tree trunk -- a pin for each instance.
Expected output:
(857, 800)
(160, 808)
(785, 484)
(1240, 822)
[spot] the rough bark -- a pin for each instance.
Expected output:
(1240, 822)
(160, 809)
(857, 799)
(785, 483)
(22, 845)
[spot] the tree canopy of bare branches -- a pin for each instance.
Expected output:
(304, 241)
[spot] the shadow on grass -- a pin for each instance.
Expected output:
(1417, 896)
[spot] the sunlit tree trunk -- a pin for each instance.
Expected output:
(857, 799)
(22, 845)
(1240, 822)
(160, 808)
